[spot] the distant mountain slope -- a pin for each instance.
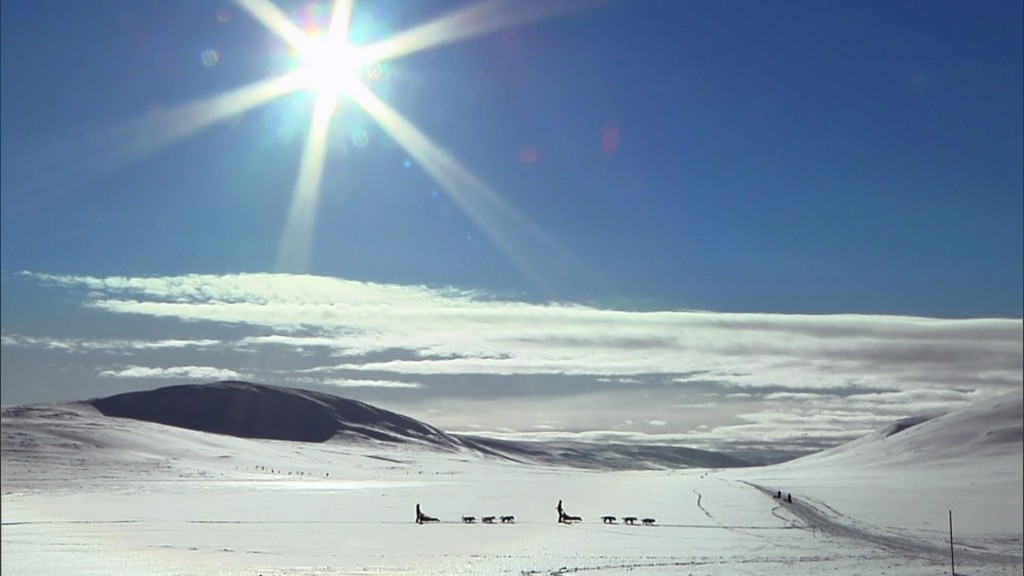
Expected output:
(250, 410)
(614, 456)
(994, 427)
(270, 412)
(968, 463)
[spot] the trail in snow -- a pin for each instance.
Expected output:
(820, 516)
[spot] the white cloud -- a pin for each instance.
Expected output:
(348, 383)
(772, 376)
(120, 346)
(192, 372)
(458, 332)
(291, 341)
(30, 342)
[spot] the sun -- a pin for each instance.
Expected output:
(325, 64)
(329, 67)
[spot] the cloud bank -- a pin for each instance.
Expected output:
(556, 366)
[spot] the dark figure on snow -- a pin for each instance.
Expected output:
(422, 518)
(789, 498)
(564, 518)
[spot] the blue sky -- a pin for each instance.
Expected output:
(856, 168)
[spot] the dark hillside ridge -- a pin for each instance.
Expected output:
(269, 412)
(905, 424)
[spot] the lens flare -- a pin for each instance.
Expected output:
(329, 67)
(209, 58)
(524, 244)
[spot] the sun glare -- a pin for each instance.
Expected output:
(329, 67)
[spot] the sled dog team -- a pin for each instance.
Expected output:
(563, 518)
(788, 499)
(488, 519)
(422, 518)
(631, 520)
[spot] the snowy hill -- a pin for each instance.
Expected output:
(988, 431)
(993, 428)
(89, 494)
(257, 411)
(251, 410)
(968, 463)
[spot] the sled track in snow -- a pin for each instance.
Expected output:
(701, 506)
(820, 516)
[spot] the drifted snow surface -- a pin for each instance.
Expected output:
(89, 494)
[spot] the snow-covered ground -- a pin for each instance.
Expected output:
(87, 494)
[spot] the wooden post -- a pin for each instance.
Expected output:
(952, 566)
